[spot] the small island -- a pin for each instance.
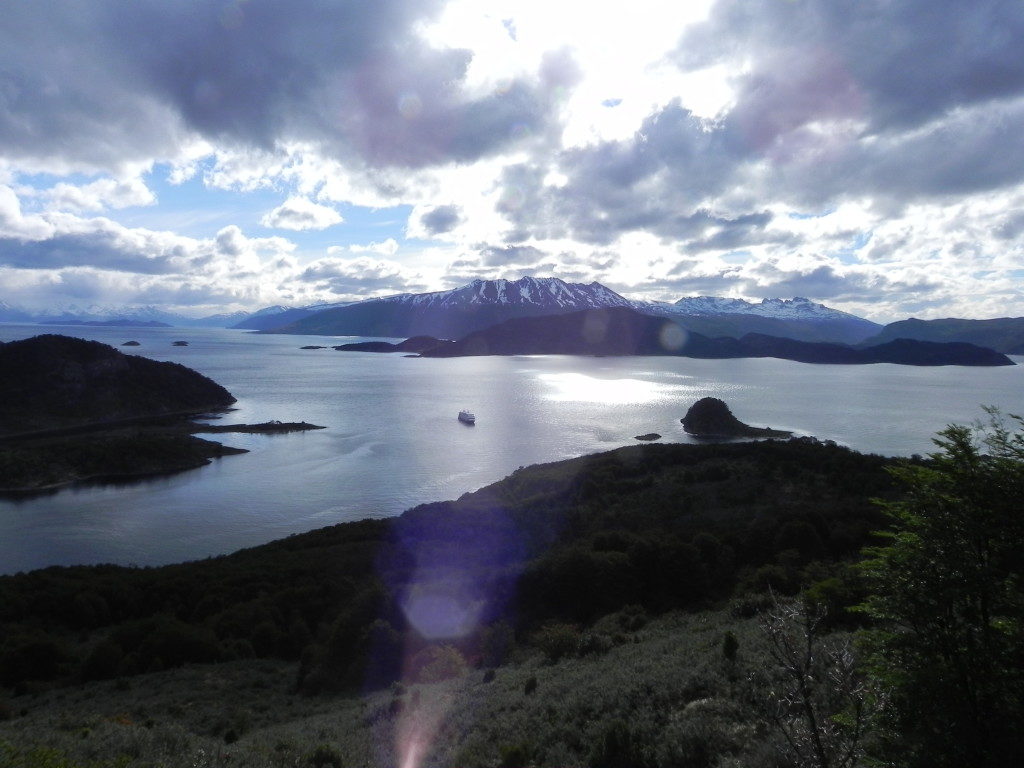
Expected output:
(413, 344)
(649, 436)
(710, 419)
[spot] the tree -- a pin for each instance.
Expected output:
(818, 700)
(947, 642)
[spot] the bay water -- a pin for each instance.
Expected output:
(392, 439)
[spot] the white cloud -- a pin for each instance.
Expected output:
(14, 224)
(387, 247)
(299, 213)
(99, 195)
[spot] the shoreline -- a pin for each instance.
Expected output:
(51, 460)
(629, 451)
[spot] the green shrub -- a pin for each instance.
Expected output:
(436, 663)
(557, 640)
(617, 747)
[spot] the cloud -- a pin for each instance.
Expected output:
(14, 224)
(911, 61)
(440, 219)
(894, 107)
(100, 194)
(519, 255)
(358, 278)
(143, 80)
(387, 247)
(299, 213)
(55, 240)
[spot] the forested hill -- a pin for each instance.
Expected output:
(55, 382)
(654, 526)
(1003, 334)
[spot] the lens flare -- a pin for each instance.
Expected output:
(672, 337)
(441, 612)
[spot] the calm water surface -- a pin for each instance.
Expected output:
(392, 440)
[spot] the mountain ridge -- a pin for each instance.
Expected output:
(1003, 334)
(477, 305)
(625, 331)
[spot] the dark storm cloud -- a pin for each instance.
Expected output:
(443, 218)
(910, 61)
(108, 81)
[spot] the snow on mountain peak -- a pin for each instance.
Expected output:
(797, 307)
(541, 292)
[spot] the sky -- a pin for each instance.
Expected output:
(221, 155)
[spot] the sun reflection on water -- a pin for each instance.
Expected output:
(580, 388)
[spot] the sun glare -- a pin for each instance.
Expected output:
(580, 388)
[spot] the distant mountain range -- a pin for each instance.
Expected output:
(453, 314)
(625, 331)
(481, 304)
(73, 314)
(97, 314)
(796, 318)
(270, 318)
(484, 303)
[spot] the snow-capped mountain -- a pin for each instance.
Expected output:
(546, 292)
(797, 308)
(482, 303)
(796, 318)
(74, 314)
(92, 313)
(276, 316)
(452, 314)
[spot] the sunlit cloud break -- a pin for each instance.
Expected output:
(733, 147)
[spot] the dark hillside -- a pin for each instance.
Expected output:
(624, 331)
(55, 382)
(655, 526)
(1003, 334)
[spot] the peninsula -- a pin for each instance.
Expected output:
(81, 410)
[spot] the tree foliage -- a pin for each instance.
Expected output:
(948, 641)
